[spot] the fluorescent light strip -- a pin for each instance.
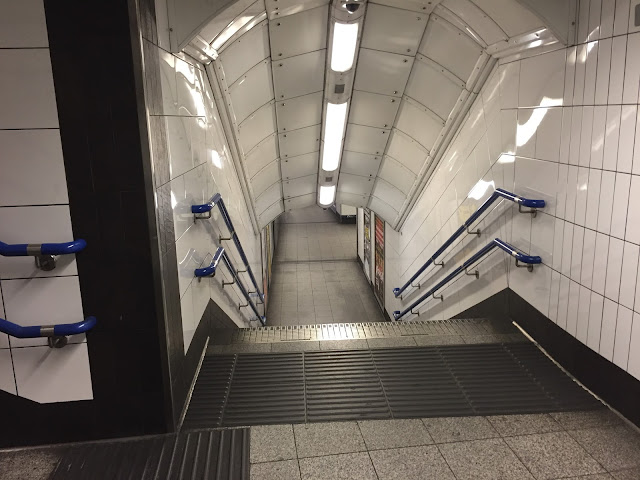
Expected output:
(343, 48)
(333, 129)
(327, 194)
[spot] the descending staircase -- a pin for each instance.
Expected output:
(354, 371)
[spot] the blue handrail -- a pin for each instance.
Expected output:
(35, 249)
(498, 193)
(519, 256)
(217, 200)
(211, 271)
(37, 331)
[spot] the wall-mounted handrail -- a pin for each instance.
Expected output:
(206, 208)
(210, 271)
(38, 331)
(519, 256)
(498, 193)
(36, 249)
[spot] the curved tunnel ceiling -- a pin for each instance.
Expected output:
(419, 68)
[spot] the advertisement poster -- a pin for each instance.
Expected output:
(378, 286)
(367, 244)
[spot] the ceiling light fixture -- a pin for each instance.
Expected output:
(343, 47)
(334, 122)
(327, 194)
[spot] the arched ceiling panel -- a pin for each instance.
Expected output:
(270, 196)
(397, 174)
(373, 110)
(257, 127)
(270, 214)
(355, 184)
(393, 30)
(419, 122)
(382, 72)
(251, 91)
(386, 211)
(298, 34)
(263, 154)
(299, 112)
(407, 151)
(244, 53)
(299, 142)
(453, 49)
(362, 164)
(299, 75)
(513, 18)
(300, 202)
(429, 86)
(299, 186)
(351, 199)
(265, 178)
(366, 139)
(300, 166)
(470, 14)
(389, 194)
(281, 8)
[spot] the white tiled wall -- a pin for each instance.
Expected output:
(562, 126)
(200, 166)
(34, 209)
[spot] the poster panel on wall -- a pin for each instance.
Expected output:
(378, 287)
(367, 243)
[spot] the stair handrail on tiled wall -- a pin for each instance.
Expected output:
(43, 252)
(56, 333)
(498, 193)
(528, 260)
(210, 271)
(216, 200)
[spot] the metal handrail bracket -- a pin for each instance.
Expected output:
(497, 194)
(520, 257)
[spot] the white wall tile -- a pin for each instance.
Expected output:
(608, 333)
(581, 196)
(189, 322)
(576, 129)
(588, 256)
(598, 136)
(627, 134)
(602, 73)
(572, 310)
(636, 150)
(582, 325)
(616, 75)
(45, 224)
(620, 203)
(607, 17)
(629, 274)
(595, 321)
(558, 233)
(27, 95)
(42, 301)
(23, 24)
(623, 337)
(607, 189)
(590, 73)
(554, 296)
(49, 375)
(621, 19)
(600, 263)
(576, 252)
(612, 136)
(549, 134)
(633, 214)
(567, 249)
(561, 195)
(634, 348)
(7, 381)
(4, 338)
(572, 193)
(593, 198)
(32, 168)
(614, 269)
(632, 70)
(583, 20)
(563, 301)
(509, 81)
(585, 137)
(542, 76)
(581, 66)
(570, 74)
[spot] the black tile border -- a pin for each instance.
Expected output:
(611, 383)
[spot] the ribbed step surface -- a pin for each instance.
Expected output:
(316, 386)
(195, 455)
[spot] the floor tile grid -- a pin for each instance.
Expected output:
(512, 465)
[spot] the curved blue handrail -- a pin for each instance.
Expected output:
(217, 200)
(211, 269)
(37, 331)
(521, 257)
(35, 249)
(498, 193)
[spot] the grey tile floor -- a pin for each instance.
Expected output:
(316, 277)
(575, 445)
